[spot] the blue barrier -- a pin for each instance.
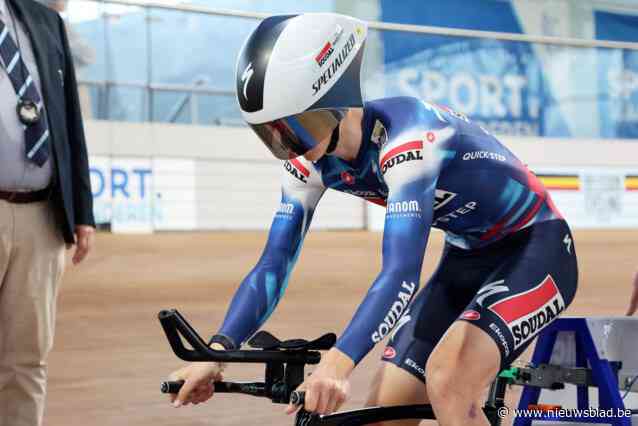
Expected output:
(586, 356)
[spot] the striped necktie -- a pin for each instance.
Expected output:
(36, 136)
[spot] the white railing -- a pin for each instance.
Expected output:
(387, 26)
(191, 93)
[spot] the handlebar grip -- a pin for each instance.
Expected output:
(174, 387)
(248, 388)
(298, 398)
(171, 387)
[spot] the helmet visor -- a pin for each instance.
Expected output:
(290, 137)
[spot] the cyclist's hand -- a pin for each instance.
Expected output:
(328, 387)
(198, 382)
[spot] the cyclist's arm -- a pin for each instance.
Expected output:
(407, 225)
(261, 290)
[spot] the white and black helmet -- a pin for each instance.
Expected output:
(295, 76)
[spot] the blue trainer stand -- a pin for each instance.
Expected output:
(586, 353)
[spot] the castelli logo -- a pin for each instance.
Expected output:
(470, 315)
(389, 353)
(347, 178)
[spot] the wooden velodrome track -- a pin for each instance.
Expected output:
(110, 353)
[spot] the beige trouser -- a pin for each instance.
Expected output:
(31, 265)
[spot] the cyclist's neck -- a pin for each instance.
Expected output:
(350, 135)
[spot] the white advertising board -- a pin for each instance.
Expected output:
(141, 194)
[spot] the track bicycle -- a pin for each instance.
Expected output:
(285, 363)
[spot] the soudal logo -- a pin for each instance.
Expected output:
(325, 53)
(295, 168)
(328, 48)
(527, 313)
(395, 312)
(332, 69)
(403, 153)
(471, 315)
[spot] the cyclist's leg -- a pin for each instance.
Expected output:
(400, 378)
(395, 386)
(455, 383)
(526, 293)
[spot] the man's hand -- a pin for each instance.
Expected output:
(327, 388)
(84, 236)
(198, 380)
(633, 303)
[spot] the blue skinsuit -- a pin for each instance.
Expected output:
(431, 167)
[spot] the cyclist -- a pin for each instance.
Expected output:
(509, 265)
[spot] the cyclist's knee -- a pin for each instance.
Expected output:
(442, 380)
(462, 365)
(449, 391)
(444, 373)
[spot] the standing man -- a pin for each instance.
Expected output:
(45, 197)
(633, 303)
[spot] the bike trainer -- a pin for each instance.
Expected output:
(600, 353)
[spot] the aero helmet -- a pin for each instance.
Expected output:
(295, 76)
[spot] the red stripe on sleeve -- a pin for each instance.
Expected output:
(534, 183)
(530, 215)
(378, 201)
(304, 171)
